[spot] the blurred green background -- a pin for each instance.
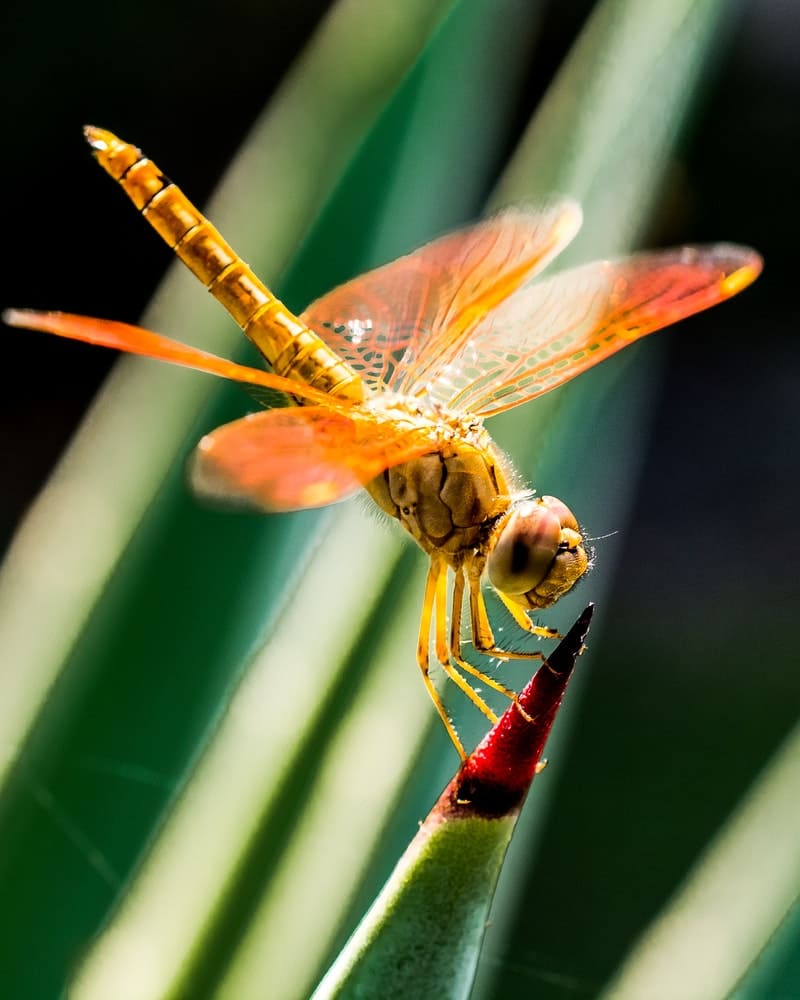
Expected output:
(706, 585)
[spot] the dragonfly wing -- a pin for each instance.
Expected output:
(137, 340)
(403, 319)
(552, 330)
(290, 459)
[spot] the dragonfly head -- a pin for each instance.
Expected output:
(538, 553)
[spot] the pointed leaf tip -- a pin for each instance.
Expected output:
(495, 778)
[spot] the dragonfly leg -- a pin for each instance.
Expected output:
(443, 651)
(455, 642)
(482, 635)
(519, 616)
(437, 571)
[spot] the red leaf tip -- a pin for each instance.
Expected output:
(495, 778)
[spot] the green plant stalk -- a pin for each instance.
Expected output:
(422, 935)
(427, 900)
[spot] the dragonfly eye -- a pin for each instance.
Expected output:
(538, 555)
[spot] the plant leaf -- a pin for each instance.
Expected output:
(422, 936)
(733, 906)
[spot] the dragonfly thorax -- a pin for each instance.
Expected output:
(536, 553)
(457, 502)
(447, 500)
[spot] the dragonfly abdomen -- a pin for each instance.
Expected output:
(287, 344)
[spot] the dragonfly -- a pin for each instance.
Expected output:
(388, 380)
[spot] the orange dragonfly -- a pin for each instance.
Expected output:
(395, 372)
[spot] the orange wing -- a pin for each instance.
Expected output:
(400, 322)
(136, 340)
(551, 331)
(303, 457)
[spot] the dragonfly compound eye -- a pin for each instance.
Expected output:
(539, 554)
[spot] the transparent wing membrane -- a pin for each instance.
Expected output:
(399, 323)
(553, 330)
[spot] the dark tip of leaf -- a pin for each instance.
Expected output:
(495, 778)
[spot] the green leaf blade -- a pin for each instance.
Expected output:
(422, 935)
